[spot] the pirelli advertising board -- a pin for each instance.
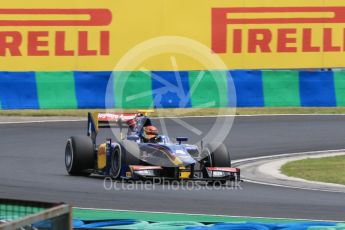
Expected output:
(95, 35)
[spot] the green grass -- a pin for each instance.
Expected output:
(182, 112)
(326, 169)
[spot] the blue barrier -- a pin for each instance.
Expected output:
(192, 225)
(91, 88)
(248, 85)
(18, 90)
(168, 89)
(317, 89)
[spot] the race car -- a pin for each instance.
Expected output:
(141, 153)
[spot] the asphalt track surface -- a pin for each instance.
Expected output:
(32, 167)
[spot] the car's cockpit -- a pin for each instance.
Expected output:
(135, 132)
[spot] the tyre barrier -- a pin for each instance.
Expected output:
(192, 225)
(161, 89)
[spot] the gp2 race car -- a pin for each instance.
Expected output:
(133, 157)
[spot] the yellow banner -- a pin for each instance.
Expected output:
(97, 35)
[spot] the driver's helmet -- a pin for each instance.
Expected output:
(150, 132)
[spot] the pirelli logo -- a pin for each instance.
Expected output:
(94, 35)
(28, 32)
(262, 38)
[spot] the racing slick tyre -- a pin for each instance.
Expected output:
(124, 154)
(217, 156)
(116, 162)
(79, 156)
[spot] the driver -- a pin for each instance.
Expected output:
(150, 134)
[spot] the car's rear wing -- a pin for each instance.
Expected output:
(97, 121)
(110, 120)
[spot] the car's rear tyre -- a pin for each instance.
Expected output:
(79, 156)
(217, 156)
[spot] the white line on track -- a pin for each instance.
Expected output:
(286, 155)
(210, 116)
(289, 186)
(253, 115)
(42, 121)
(289, 155)
(172, 117)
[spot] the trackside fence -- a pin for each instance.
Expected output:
(31, 215)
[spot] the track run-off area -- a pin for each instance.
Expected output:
(32, 167)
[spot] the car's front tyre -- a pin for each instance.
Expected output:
(116, 162)
(217, 155)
